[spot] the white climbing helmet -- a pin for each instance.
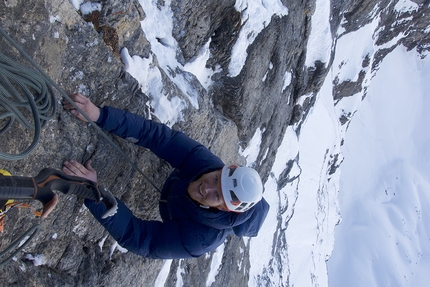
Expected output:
(241, 187)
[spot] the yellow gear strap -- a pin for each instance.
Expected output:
(5, 172)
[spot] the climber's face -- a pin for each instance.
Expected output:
(206, 190)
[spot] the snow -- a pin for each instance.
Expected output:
(287, 80)
(256, 15)
(149, 78)
(76, 3)
(385, 181)
(179, 273)
(38, 259)
(89, 7)
(215, 265)
(85, 7)
(320, 38)
(163, 274)
(53, 19)
(288, 150)
(158, 30)
(116, 246)
(261, 251)
(251, 152)
(351, 50)
(102, 242)
(403, 6)
(378, 195)
(197, 67)
(308, 234)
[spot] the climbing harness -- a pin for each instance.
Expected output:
(25, 238)
(41, 188)
(10, 204)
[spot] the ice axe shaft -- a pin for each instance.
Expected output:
(41, 188)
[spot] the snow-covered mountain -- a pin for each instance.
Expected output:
(326, 99)
(382, 236)
(383, 239)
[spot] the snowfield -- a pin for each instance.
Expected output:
(365, 224)
(384, 237)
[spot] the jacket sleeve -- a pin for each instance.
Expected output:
(152, 239)
(170, 145)
(243, 224)
(252, 226)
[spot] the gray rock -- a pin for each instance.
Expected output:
(81, 53)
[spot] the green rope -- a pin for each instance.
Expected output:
(27, 236)
(39, 100)
(63, 94)
(22, 88)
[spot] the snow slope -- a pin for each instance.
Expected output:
(384, 237)
(382, 184)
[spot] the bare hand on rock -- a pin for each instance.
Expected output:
(74, 168)
(91, 110)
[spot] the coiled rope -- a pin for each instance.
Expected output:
(22, 88)
(49, 81)
(41, 104)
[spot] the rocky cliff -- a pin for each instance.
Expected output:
(82, 52)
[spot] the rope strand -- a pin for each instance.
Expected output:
(27, 237)
(38, 99)
(49, 81)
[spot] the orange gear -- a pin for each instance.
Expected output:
(11, 203)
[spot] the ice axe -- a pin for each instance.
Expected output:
(41, 188)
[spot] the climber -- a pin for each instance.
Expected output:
(201, 203)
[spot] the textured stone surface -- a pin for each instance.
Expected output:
(81, 53)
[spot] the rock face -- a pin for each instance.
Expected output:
(81, 53)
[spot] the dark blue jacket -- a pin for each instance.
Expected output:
(187, 230)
